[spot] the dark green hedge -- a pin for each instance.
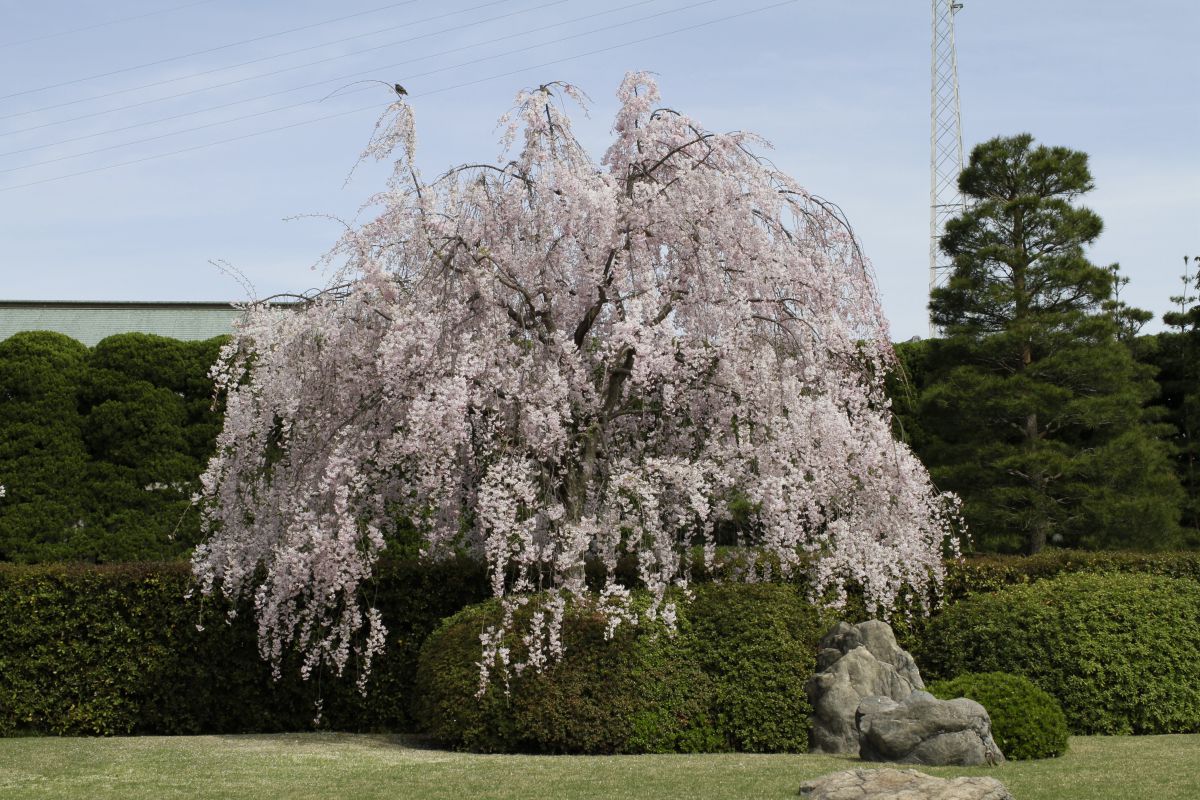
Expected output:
(102, 650)
(100, 448)
(1026, 721)
(983, 574)
(731, 678)
(114, 649)
(1120, 652)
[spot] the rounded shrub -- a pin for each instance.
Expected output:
(1026, 721)
(730, 677)
(757, 643)
(634, 693)
(1121, 653)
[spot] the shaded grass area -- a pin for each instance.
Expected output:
(366, 767)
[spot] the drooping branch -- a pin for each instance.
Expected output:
(556, 357)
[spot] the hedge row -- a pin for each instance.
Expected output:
(100, 448)
(104, 650)
(115, 649)
(1121, 653)
(983, 574)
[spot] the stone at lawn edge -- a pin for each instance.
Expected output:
(855, 662)
(925, 730)
(891, 784)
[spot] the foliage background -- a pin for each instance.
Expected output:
(100, 448)
(115, 649)
(84, 432)
(1120, 652)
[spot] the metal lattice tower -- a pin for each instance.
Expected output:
(945, 143)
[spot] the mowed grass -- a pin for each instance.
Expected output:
(393, 768)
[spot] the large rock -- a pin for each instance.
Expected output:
(925, 730)
(893, 784)
(855, 662)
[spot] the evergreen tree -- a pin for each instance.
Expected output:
(1034, 409)
(42, 454)
(1176, 354)
(100, 450)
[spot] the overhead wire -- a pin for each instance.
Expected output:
(324, 82)
(105, 24)
(376, 106)
(373, 71)
(168, 60)
(202, 73)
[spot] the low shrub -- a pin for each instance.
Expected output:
(1120, 652)
(1026, 721)
(758, 643)
(731, 677)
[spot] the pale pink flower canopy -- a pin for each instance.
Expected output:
(550, 359)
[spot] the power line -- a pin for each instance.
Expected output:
(202, 73)
(319, 83)
(104, 24)
(422, 94)
(405, 78)
(209, 50)
(382, 68)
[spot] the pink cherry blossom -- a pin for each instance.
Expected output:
(550, 359)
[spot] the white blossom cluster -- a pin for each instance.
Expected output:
(551, 359)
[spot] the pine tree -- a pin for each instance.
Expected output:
(1176, 353)
(1035, 409)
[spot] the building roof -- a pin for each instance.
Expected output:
(91, 321)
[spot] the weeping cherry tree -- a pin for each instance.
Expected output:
(549, 359)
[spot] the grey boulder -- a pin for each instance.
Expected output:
(855, 662)
(922, 729)
(894, 784)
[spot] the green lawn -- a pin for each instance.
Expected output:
(393, 768)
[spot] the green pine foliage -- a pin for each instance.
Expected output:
(1027, 722)
(1032, 408)
(1176, 354)
(1120, 652)
(731, 678)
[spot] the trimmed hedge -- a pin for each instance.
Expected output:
(104, 650)
(1120, 652)
(731, 678)
(100, 449)
(978, 575)
(1026, 721)
(114, 649)
(982, 574)
(758, 642)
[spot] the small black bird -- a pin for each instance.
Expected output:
(400, 90)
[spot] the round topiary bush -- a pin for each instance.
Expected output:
(731, 677)
(1121, 653)
(1026, 721)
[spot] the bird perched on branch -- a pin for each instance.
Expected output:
(395, 87)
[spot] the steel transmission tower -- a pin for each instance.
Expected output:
(945, 143)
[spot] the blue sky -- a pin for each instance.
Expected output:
(841, 90)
